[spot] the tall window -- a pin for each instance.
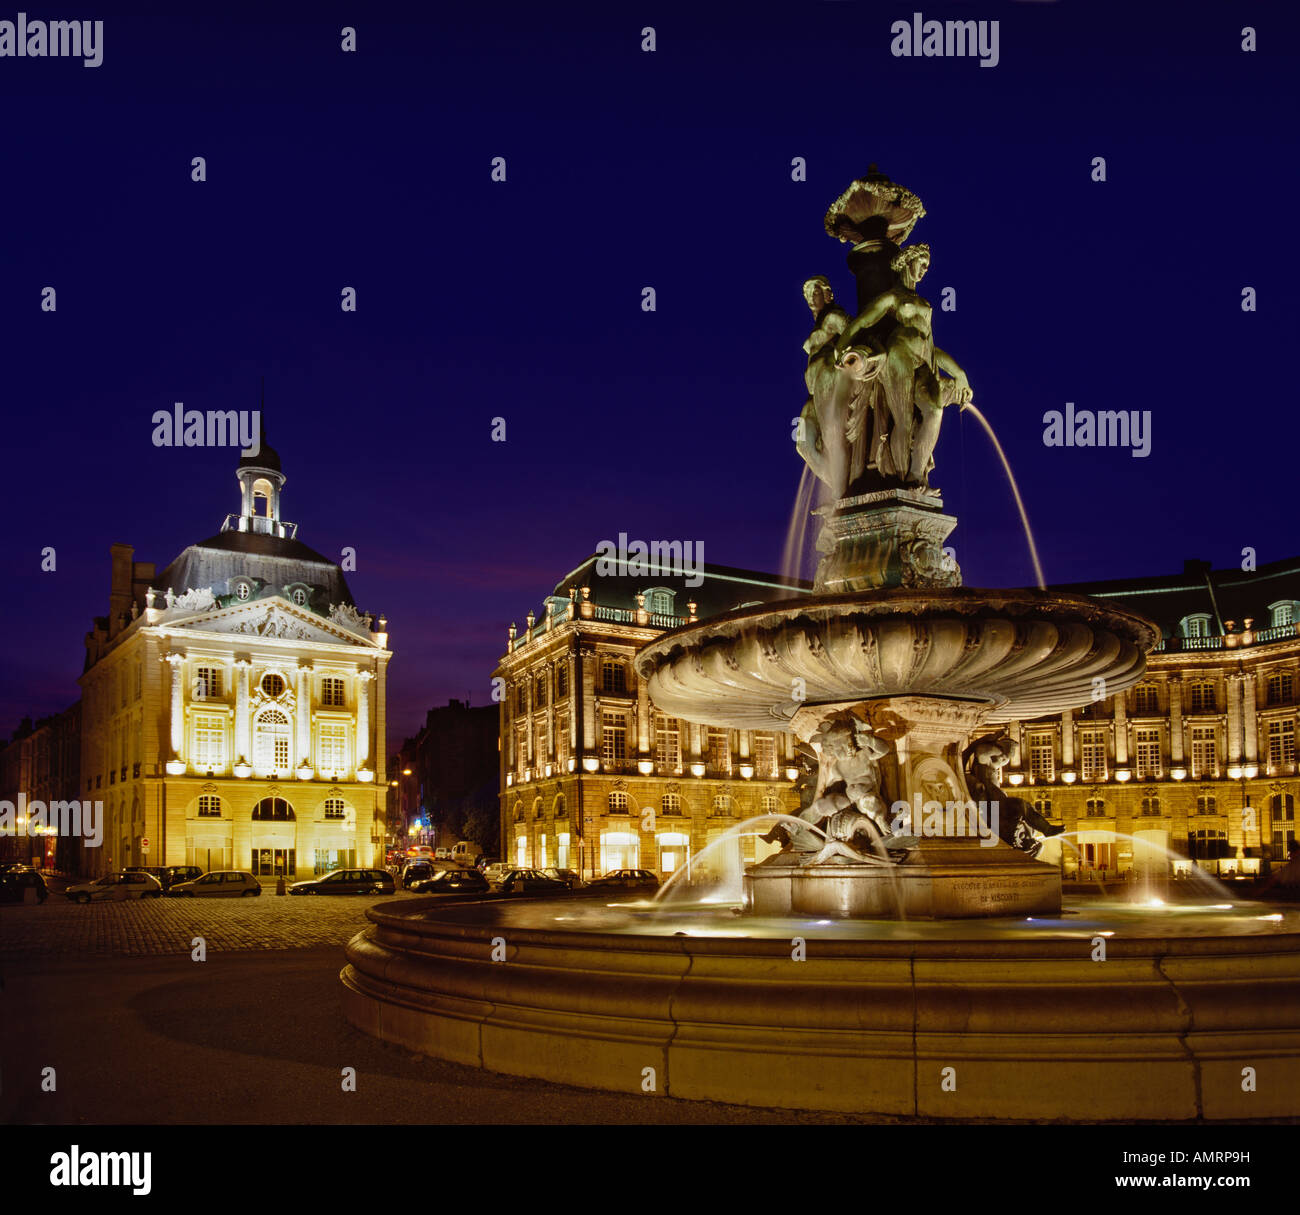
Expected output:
(771, 803)
(539, 742)
(764, 755)
(539, 691)
(1092, 754)
(332, 752)
(1283, 808)
(1147, 753)
(1042, 765)
(209, 741)
(271, 741)
(1281, 743)
(331, 693)
(613, 677)
(1283, 613)
(1205, 761)
(1044, 806)
(1207, 804)
(1281, 688)
(668, 745)
(562, 679)
(209, 805)
(671, 803)
(1150, 806)
(521, 749)
(722, 804)
(1202, 697)
(613, 738)
(562, 746)
(618, 803)
(1146, 700)
(207, 683)
(718, 754)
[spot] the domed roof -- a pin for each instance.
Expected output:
(267, 457)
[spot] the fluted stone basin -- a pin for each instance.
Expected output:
(1020, 653)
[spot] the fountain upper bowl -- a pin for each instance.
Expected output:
(1022, 653)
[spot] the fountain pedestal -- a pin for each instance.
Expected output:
(892, 537)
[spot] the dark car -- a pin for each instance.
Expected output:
(168, 875)
(453, 881)
(17, 880)
(568, 876)
(419, 871)
(530, 881)
(625, 879)
(348, 881)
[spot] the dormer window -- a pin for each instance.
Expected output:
(243, 589)
(659, 600)
(1283, 612)
(298, 596)
(1195, 625)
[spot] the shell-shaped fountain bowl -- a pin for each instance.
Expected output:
(1022, 653)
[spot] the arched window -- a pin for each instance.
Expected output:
(671, 803)
(1206, 805)
(271, 741)
(1196, 625)
(519, 811)
(537, 807)
(336, 808)
(559, 807)
(722, 804)
(1150, 806)
(1095, 807)
(618, 803)
(273, 809)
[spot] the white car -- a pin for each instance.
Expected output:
(117, 886)
(219, 884)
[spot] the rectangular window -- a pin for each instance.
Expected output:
(668, 743)
(562, 680)
(1145, 700)
(209, 741)
(764, 755)
(1281, 688)
(1205, 760)
(613, 677)
(281, 751)
(1281, 743)
(718, 752)
(1202, 698)
(1042, 761)
(539, 743)
(521, 749)
(332, 748)
(1147, 749)
(613, 743)
(1092, 755)
(331, 693)
(562, 747)
(209, 806)
(335, 808)
(207, 683)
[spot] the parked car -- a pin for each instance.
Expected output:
(484, 863)
(453, 881)
(626, 879)
(568, 876)
(530, 881)
(496, 871)
(17, 880)
(219, 884)
(442, 854)
(348, 881)
(121, 885)
(466, 853)
(168, 875)
(419, 871)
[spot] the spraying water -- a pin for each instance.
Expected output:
(1015, 489)
(796, 534)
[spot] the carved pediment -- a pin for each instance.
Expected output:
(273, 618)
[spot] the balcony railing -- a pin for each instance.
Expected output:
(260, 525)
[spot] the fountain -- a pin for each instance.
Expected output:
(905, 952)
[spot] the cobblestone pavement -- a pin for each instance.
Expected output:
(146, 927)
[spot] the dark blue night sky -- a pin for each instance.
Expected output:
(523, 300)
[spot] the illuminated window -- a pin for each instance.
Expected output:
(1196, 625)
(722, 804)
(299, 596)
(1207, 805)
(1281, 743)
(1283, 612)
(209, 805)
(1042, 761)
(271, 741)
(539, 742)
(335, 808)
(560, 809)
(1150, 806)
(668, 749)
(1281, 688)
(332, 693)
(332, 746)
(1147, 753)
(562, 679)
(718, 750)
(771, 803)
(617, 803)
(207, 683)
(613, 677)
(209, 741)
(1094, 807)
(1205, 760)
(671, 803)
(1146, 700)
(613, 741)
(1092, 754)
(539, 692)
(272, 685)
(1201, 698)
(537, 807)
(764, 755)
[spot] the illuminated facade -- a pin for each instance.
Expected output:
(1198, 760)
(592, 777)
(233, 705)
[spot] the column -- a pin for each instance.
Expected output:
(1234, 718)
(1121, 731)
(643, 733)
(588, 661)
(1067, 739)
(304, 717)
(696, 734)
(530, 759)
(1176, 755)
(177, 664)
(1249, 695)
(570, 682)
(243, 722)
(363, 718)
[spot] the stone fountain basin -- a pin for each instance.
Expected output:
(573, 992)
(1022, 653)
